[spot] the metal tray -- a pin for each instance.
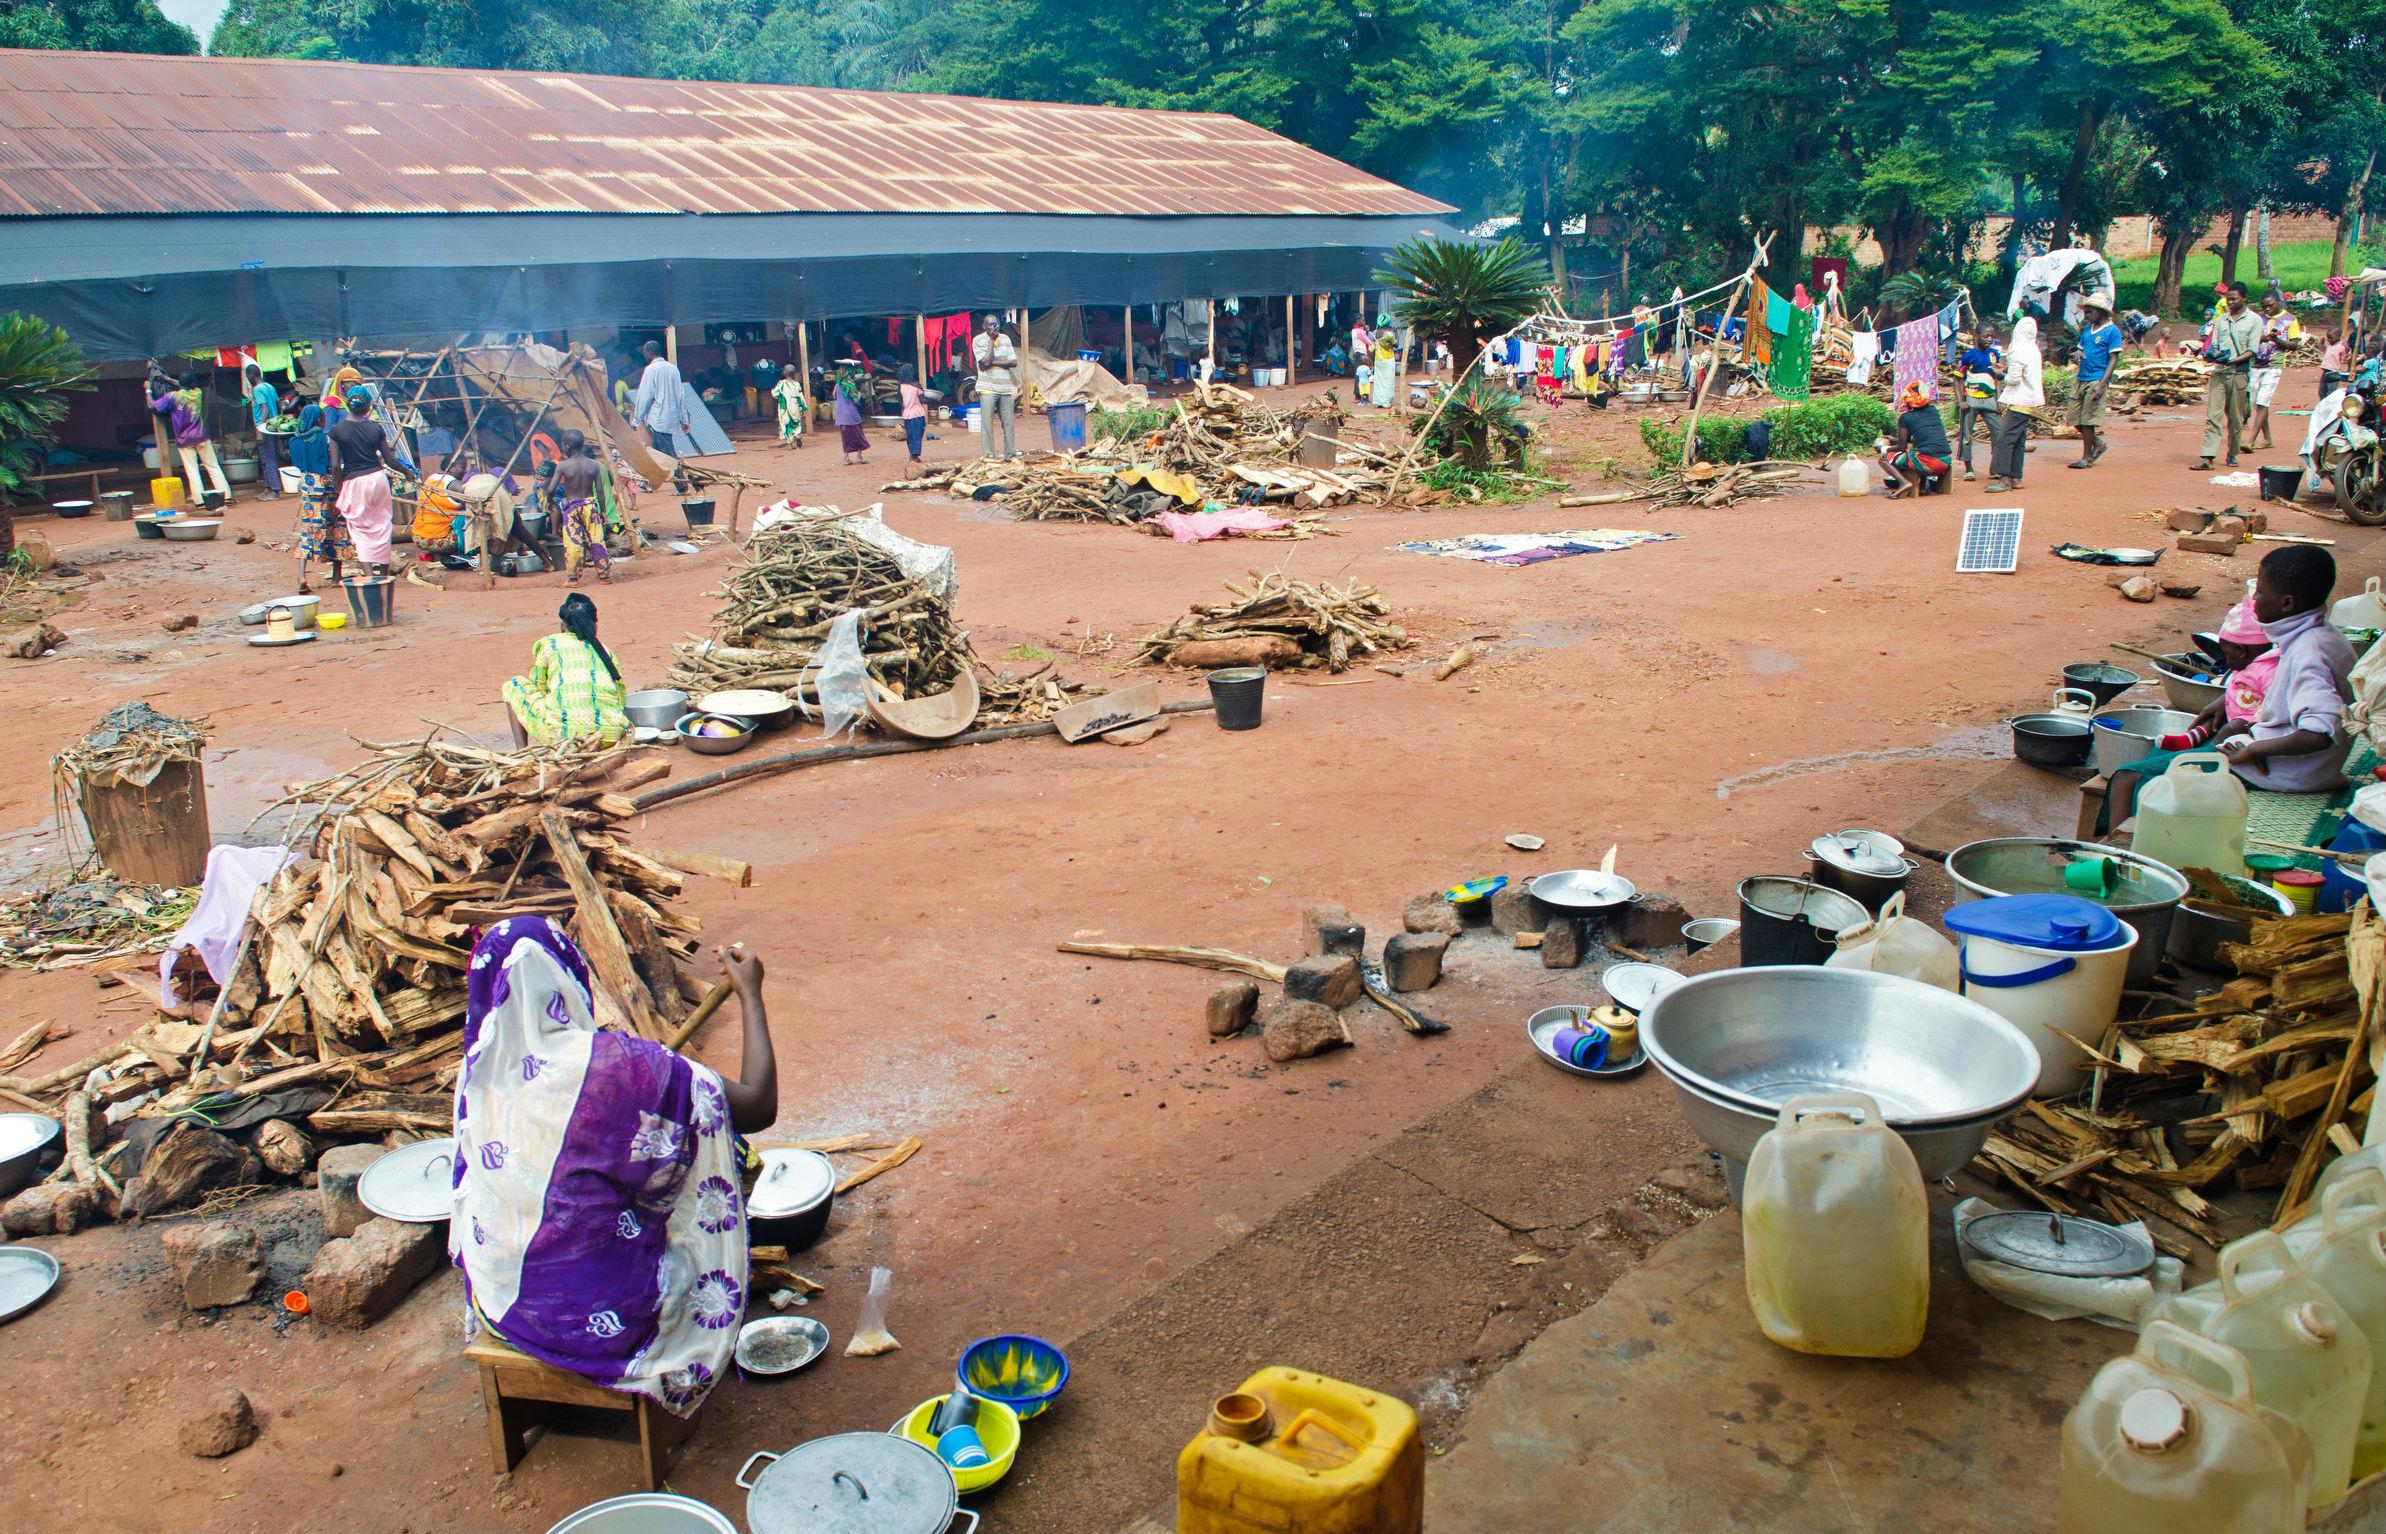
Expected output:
(780, 1344)
(1542, 1024)
(27, 1275)
(1581, 889)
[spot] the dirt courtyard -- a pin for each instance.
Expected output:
(1707, 705)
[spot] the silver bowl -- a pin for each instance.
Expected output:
(655, 708)
(2126, 735)
(712, 745)
(2180, 689)
(2146, 894)
(1738, 1043)
(24, 1137)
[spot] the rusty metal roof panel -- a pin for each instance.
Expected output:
(134, 134)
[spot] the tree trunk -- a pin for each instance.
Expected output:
(2013, 234)
(8, 531)
(2075, 177)
(2170, 266)
(2261, 246)
(2349, 216)
(2234, 246)
(1902, 236)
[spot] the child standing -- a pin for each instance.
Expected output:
(2335, 364)
(2252, 664)
(915, 411)
(2296, 742)
(572, 497)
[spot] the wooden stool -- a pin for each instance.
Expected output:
(514, 1385)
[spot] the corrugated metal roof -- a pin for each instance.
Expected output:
(84, 133)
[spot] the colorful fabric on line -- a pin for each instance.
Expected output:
(1864, 349)
(569, 695)
(1777, 313)
(598, 1221)
(1758, 344)
(1916, 360)
(1792, 370)
(1532, 548)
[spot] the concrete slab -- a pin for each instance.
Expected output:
(1662, 1408)
(2016, 799)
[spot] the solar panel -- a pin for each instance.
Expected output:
(1991, 542)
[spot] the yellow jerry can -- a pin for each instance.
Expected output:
(1296, 1453)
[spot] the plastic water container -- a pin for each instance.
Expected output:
(2051, 965)
(1068, 426)
(1894, 943)
(2309, 1362)
(2342, 1245)
(2168, 1440)
(1835, 1231)
(2364, 609)
(2193, 816)
(1290, 1452)
(1855, 478)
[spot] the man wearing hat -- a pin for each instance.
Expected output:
(2100, 342)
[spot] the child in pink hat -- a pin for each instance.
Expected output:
(2252, 662)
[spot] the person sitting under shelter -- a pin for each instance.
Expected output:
(599, 1219)
(574, 689)
(1921, 450)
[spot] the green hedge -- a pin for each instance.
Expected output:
(1817, 428)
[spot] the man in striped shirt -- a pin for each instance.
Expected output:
(2236, 333)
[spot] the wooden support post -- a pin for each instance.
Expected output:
(919, 346)
(1023, 340)
(1292, 341)
(1209, 322)
(1126, 343)
(671, 344)
(1714, 366)
(803, 366)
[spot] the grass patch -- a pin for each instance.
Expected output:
(1026, 652)
(1126, 425)
(1823, 427)
(1506, 486)
(2300, 265)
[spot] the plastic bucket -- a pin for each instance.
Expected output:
(370, 599)
(698, 512)
(2040, 990)
(969, 416)
(1088, 354)
(1068, 426)
(2279, 483)
(1792, 921)
(1238, 691)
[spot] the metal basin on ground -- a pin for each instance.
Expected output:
(2145, 893)
(1737, 1043)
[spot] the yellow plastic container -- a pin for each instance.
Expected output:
(1323, 1458)
(165, 493)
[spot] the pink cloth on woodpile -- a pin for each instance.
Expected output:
(1201, 526)
(234, 875)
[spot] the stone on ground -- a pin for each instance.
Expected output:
(50, 1209)
(358, 1279)
(1514, 910)
(1413, 960)
(1330, 929)
(1295, 1030)
(224, 1426)
(1431, 913)
(1232, 1007)
(1649, 921)
(218, 1262)
(1561, 943)
(1331, 979)
(335, 1184)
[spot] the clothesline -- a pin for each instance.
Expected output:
(1569, 325)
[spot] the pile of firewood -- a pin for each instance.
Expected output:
(2245, 1091)
(1277, 621)
(2160, 381)
(1715, 484)
(345, 1006)
(787, 592)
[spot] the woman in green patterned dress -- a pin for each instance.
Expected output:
(573, 691)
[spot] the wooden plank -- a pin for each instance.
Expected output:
(607, 953)
(735, 871)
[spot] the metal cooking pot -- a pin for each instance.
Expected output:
(2197, 933)
(852, 1483)
(792, 1198)
(1791, 921)
(2099, 680)
(2052, 740)
(646, 1512)
(1861, 864)
(26, 1141)
(2145, 893)
(2126, 735)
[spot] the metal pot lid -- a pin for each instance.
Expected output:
(414, 1184)
(22, 1132)
(854, 1483)
(27, 1275)
(791, 1182)
(1634, 986)
(1857, 855)
(2061, 1243)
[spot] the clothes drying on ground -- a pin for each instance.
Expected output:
(1532, 548)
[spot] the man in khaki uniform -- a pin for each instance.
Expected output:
(2236, 332)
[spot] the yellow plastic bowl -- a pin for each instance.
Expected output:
(998, 1429)
(331, 620)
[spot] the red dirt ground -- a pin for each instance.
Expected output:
(1708, 704)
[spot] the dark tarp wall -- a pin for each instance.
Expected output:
(132, 287)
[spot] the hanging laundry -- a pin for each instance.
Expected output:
(1792, 370)
(1950, 322)
(1865, 348)
(1834, 347)
(1636, 347)
(1799, 297)
(1917, 356)
(1758, 348)
(1582, 368)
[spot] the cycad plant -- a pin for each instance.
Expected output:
(39, 366)
(1464, 294)
(1910, 295)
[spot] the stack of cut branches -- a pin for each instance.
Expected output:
(345, 1005)
(786, 594)
(1284, 622)
(1715, 484)
(2250, 1088)
(2160, 381)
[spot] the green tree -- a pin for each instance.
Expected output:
(116, 26)
(1463, 294)
(39, 366)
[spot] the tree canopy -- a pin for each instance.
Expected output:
(1675, 129)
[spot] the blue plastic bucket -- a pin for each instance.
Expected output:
(1085, 354)
(1068, 426)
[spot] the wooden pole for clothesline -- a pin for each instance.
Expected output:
(919, 347)
(1715, 362)
(1292, 341)
(803, 367)
(671, 344)
(1209, 323)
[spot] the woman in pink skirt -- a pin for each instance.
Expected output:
(360, 469)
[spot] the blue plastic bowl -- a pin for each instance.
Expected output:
(1023, 1373)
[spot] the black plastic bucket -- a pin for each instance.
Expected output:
(2279, 483)
(698, 513)
(1237, 691)
(1791, 921)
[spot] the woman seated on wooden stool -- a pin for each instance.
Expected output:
(574, 689)
(1921, 451)
(599, 1221)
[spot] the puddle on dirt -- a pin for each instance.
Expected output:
(1763, 662)
(1974, 743)
(1554, 633)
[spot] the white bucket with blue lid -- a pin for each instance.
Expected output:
(2051, 965)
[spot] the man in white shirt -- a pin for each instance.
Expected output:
(661, 404)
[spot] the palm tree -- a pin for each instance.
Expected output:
(38, 366)
(1914, 294)
(1462, 293)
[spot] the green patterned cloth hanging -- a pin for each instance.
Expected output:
(1791, 369)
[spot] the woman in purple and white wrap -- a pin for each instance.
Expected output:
(599, 1221)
